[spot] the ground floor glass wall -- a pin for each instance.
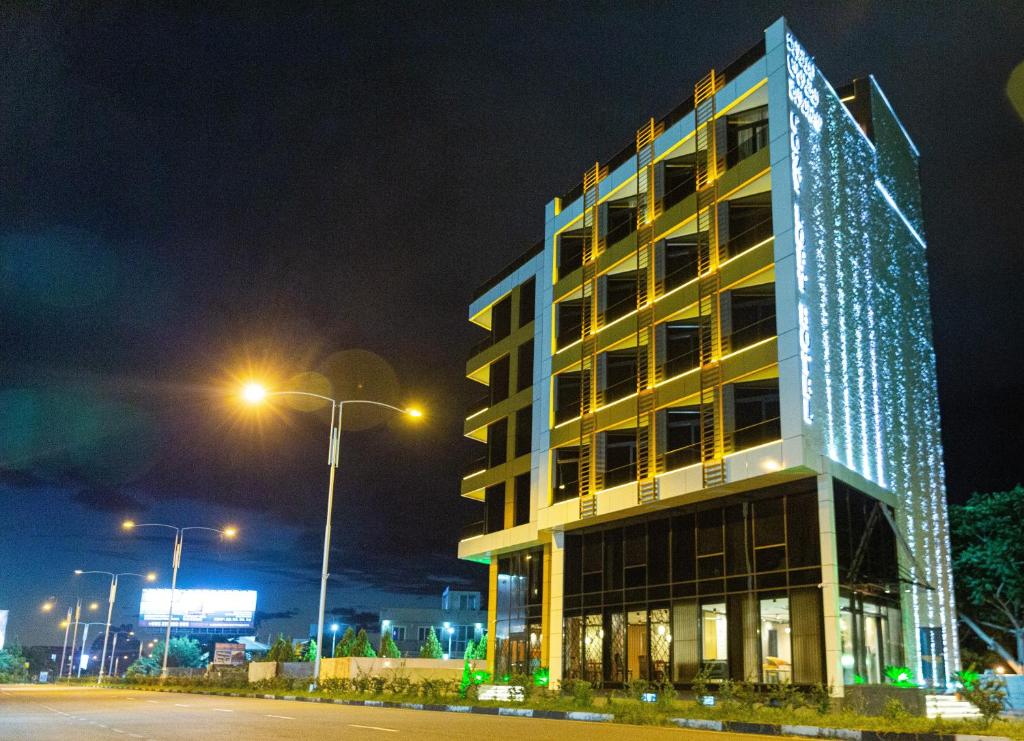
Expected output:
(733, 588)
(519, 605)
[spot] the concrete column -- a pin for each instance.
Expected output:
(492, 611)
(553, 587)
(830, 584)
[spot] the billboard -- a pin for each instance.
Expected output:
(198, 608)
(228, 654)
(3, 628)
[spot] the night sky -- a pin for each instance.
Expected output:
(192, 199)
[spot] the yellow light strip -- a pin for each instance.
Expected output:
(475, 473)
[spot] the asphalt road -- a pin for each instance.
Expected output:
(41, 713)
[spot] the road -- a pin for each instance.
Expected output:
(41, 713)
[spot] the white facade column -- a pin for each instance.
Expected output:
(830, 585)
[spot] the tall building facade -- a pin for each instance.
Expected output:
(711, 421)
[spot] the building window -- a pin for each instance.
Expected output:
(522, 503)
(776, 648)
(620, 457)
(497, 442)
(527, 299)
(524, 431)
(619, 374)
(524, 366)
(682, 436)
(567, 396)
(520, 596)
(566, 484)
(681, 340)
(568, 322)
(499, 379)
(746, 133)
(751, 314)
(679, 261)
(494, 502)
(570, 253)
(688, 579)
(743, 223)
(620, 292)
(619, 220)
(501, 319)
(398, 632)
(679, 179)
(756, 413)
(423, 631)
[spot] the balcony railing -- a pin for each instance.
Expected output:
(478, 465)
(479, 405)
(473, 530)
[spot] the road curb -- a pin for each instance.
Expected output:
(845, 734)
(474, 709)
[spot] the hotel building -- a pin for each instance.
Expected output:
(711, 421)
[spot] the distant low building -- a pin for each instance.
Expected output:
(459, 619)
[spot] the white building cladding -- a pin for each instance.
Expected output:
(851, 354)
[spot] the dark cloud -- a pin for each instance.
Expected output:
(109, 500)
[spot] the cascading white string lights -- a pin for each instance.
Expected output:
(866, 359)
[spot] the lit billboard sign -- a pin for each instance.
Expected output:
(198, 608)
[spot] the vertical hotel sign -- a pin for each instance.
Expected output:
(804, 99)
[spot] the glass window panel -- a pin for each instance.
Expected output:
(635, 545)
(714, 639)
(776, 646)
(769, 528)
(615, 624)
(710, 567)
(573, 563)
(683, 558)
(613, 559)
(657, 552)
(660, 646)
(802, 530)
(591, 552)
(770, 559)
(737, 542)
(709, 532)
(636, 576)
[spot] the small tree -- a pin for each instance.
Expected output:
(432, 648)
(12, 665)
(388, 649)
(184, 652)
(470, 653)
(145, 667)
(362, 646)
(344, 647)
(281, 650)
(988, 552)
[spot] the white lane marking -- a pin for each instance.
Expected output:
(223, 710)
(374, 728)
(135, 735)
(282, 717)
(181, 705)
(155, 702)
(117, 730)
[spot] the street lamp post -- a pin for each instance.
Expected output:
(85, 649)
(334, 636)
(113, 650)
(451, 632)
(110, 607)
(179, 536)
(253, 393)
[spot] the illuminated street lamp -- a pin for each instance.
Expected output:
(255, 393)
(450, 631)
(74, 639)
(85, 651)
(110, 606)
(179, 536)
(334, 636)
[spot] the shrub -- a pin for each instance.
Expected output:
(988, 694)
(361, 646)
(895, 710)
(388, 647)
(784, 695)
(581, 691)
(741, 693)
(820, 698)
(438, 689)
(700, 682)
(336, 685)
(900, 676)
(400, 685)
(636, 688)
